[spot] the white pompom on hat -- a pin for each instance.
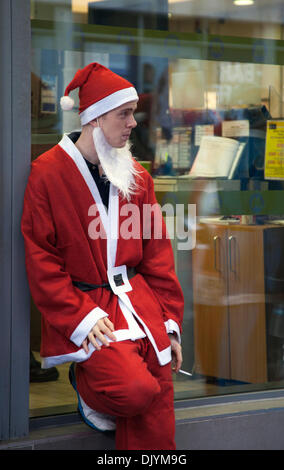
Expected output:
(100, 91)
(66, 103)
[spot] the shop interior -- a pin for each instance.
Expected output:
(210, 78)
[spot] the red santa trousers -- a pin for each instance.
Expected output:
(126, 380)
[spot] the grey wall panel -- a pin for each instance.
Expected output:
(15, 138)
(21, 157)
(5, 213)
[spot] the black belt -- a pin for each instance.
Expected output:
(85, 286)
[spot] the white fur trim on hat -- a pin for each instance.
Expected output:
(66, 103)
(108, 103)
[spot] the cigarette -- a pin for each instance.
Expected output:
(185, 373)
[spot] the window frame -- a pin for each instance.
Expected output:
(15, 147)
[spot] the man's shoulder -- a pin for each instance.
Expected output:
(49, 161)
(47, 156)
(48, 166)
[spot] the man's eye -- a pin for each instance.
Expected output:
(124, 114)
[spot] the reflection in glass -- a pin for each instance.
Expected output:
(200, 71)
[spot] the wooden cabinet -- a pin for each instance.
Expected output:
(229, 302)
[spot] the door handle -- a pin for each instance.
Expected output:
(231, 239)
(216, 238)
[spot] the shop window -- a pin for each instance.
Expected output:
(210, 130)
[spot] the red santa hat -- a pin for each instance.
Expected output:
(100, 91)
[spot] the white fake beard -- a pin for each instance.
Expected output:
(117, 164)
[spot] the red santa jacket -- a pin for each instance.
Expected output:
(70, 236)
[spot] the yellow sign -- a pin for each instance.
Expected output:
(274, 151)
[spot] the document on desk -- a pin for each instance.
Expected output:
(276, 222)
(217, 157)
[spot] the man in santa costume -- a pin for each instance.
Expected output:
(107, 290)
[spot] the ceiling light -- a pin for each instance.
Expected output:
(81, 6)
(243, 2)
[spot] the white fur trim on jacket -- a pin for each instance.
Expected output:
(172, 327)
(88, 322)
(81, 355)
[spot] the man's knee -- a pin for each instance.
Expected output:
(138, 395)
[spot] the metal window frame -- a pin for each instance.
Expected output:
(15, 144)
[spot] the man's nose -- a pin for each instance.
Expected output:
(132, 123)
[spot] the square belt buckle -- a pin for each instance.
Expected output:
(118, 279)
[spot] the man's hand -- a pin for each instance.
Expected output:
(176, 353)
(103, 327)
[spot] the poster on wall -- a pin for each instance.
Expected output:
(274, 151)
(202, 130)
(179, 148)
(49, 94)
(239, 128)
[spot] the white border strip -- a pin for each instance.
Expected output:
(81, 355)
(108, 103)
(85, 326)
(163, 356)
(113, 216)
(67, 145)
(172, 327)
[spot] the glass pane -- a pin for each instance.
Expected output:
(210, 130)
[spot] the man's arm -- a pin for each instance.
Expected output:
(176, 353)
(158, 269)
(62, 305)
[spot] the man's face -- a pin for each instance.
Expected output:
(118, 124)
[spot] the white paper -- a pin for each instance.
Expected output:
(215, 157)
(238, 128)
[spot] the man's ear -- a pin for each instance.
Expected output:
(95, 122)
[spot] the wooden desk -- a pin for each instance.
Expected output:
(229, 302)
